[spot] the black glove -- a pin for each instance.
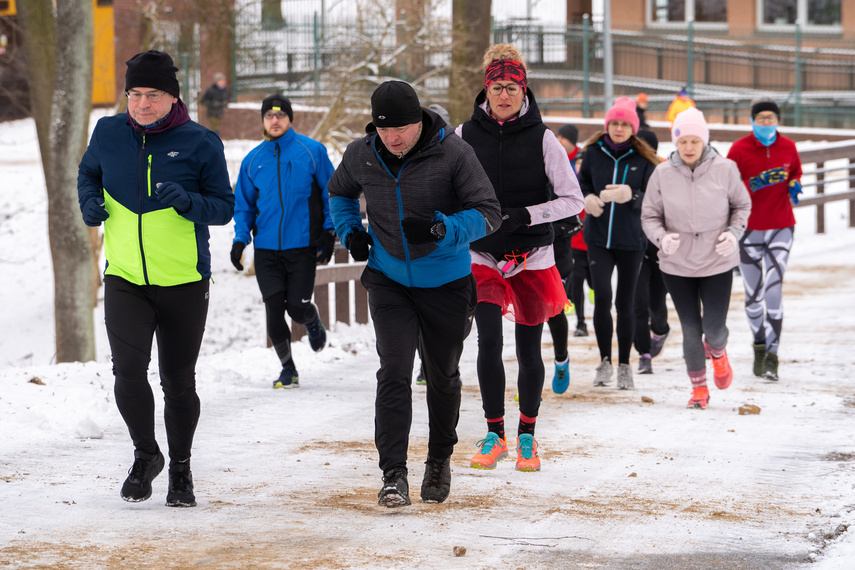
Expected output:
(422, 231)
(512, 218)
(575, 225)
(326, 245)
(237, 253)
(94, 212)
(358, 243)
(172, 194)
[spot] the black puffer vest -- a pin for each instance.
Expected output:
(512, 156)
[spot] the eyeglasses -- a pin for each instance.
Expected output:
(279, 115)
(152, 96)
(496, 89)
(766, 118)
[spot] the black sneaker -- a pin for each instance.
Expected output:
(437, 482)
(581, 330)
(395, 491)
(759, 356)
(317, 333)
(770, 366)
(288, 378)
(657, 343)
(420, 379)
(180, 486)
(146, 467)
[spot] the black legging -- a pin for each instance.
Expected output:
(651, 311)
(581, 273)
(491, 370)
(558, 330)
(176, 315)
(602, 263)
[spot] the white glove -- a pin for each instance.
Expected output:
(594, 205)
(669, 243)
(620, 193)
(726, 243)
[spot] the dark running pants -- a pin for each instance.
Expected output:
(439, 320)
(651, 312)
(491, 369)
(581, 273)
(286, 280)
(701, 304)
(602, 263)
(176, 315)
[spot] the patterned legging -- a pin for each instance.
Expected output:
(763, 256)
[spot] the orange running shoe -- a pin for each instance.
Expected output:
(700, 398)
(492, 449)
(527, 459)
(722, 372)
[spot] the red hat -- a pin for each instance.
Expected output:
(623, 110)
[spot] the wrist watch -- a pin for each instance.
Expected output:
(438, 231)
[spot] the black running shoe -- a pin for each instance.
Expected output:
(657, 343)
(146, 467)
(581, 330)
(395, 491)
(317, 333)
(180, 486)
(437, 482)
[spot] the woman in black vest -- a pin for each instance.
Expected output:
(613, 176)
(514, 266)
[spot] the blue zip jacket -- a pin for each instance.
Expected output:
(619, 227)
(282, 191)
(443, 181)
(145, 241)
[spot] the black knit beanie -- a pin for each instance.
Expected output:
(152, 70)
(395, 104)
(277, 102)
(764, 104)
(569, 132)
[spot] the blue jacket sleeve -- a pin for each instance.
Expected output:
(246, 208)
(324, 173)
(462, 228)
(89, 172)
(345, 214)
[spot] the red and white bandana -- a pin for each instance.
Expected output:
(506, 70)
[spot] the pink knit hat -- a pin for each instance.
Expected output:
(623, 110)
(690, 123)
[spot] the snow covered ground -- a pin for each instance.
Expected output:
(288, 479)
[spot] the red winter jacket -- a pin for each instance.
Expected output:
(770, 207)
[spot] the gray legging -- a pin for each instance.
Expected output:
(763, 256)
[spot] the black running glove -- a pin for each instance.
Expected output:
(422, 231)
(575, 224)
(237, 253)
(326, 245)
(94, 212)
(358, 243)
(512, 218)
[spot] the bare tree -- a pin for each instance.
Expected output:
(60, 77)
(470, 22)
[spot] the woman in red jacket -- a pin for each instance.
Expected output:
(770, 168)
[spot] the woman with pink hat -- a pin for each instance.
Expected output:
(614, 173)
(695, 211)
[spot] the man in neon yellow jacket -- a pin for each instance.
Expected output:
(156, 180)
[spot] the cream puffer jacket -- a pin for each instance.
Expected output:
(698, 205)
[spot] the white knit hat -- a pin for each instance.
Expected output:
(690, 123)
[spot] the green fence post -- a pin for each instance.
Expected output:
(316, 72)
(690, 58)
(586, 67)
(797, 101)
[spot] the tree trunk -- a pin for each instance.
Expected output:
(60, 76)
(470, 23)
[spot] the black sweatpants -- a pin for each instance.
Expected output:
(439, 318)
(602, 262)
(651, 312)
(491, 369)
(176, 315)
(286, 280)
(702, 304)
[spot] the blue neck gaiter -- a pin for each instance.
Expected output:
(766, 134)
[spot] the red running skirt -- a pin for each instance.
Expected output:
(529, 298)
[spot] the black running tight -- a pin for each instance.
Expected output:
(491, 370)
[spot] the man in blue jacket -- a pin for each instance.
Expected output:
(426, 197)
(282, 195)
(156, 180)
